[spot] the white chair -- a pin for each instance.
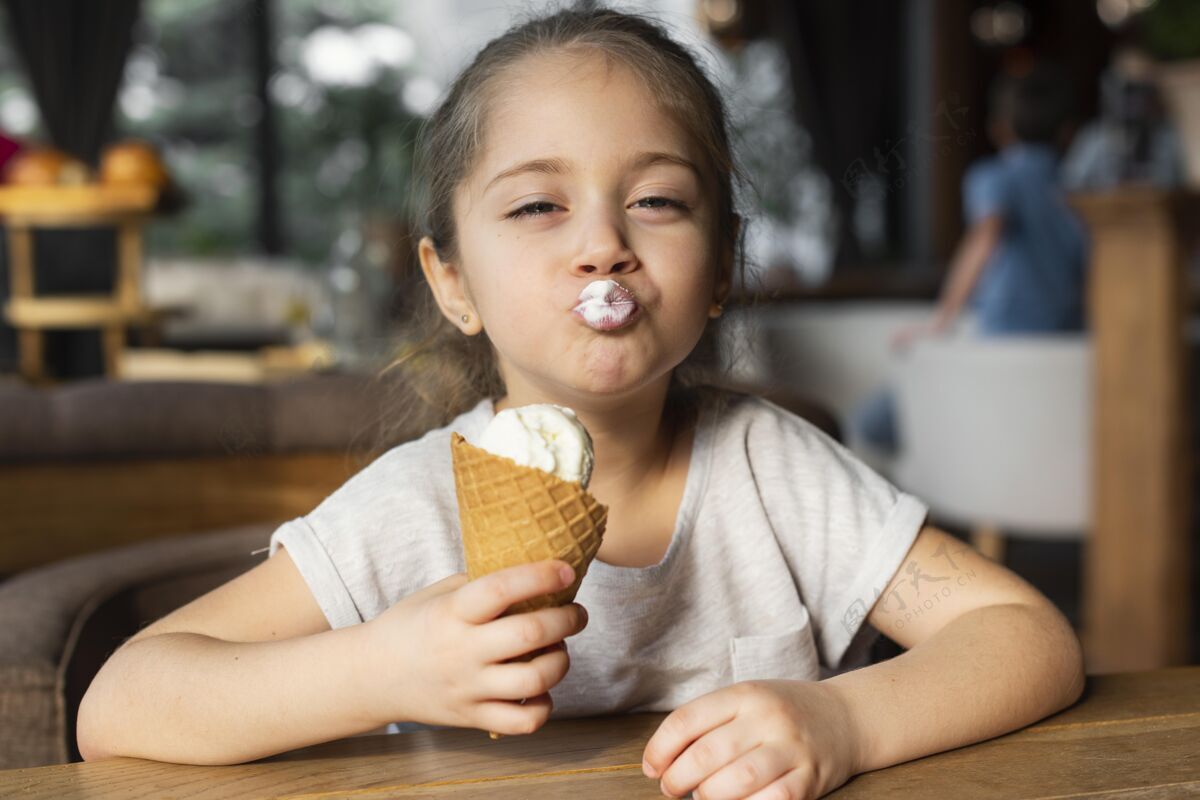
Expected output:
(996, 434)
(836, 353)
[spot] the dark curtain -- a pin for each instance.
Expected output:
(846, 69)
(74, 55)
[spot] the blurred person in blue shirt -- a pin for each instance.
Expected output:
(1021, 265)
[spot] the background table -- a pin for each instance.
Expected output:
(124, 208)
(1131, 735)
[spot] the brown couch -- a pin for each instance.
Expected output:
(61, 621)
(94, 464)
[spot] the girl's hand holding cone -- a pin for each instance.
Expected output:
(444, 650)
(523, 499)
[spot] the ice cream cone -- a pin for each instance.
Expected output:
(512, 514)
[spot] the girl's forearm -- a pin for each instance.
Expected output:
(988, 672)
(193, 699)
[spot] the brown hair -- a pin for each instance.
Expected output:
(442, 372)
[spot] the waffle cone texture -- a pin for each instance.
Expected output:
(512, 514)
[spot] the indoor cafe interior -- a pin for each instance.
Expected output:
(961, 300)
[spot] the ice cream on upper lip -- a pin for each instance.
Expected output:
(606, 305)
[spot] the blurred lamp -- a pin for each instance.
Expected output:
(720, 14)
(1115, 13)
(1001, 25)
(733, 22)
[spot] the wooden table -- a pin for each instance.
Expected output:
(1132, 735)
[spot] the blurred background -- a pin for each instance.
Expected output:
(971, 259)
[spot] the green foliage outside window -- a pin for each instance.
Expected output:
(345, 140)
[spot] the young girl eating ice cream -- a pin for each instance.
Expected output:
(580, 239)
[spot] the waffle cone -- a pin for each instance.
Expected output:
(512, 514)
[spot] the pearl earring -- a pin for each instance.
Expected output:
(466, 317)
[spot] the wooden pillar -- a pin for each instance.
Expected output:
(1136, 578)
(128, 289)
(22, 283)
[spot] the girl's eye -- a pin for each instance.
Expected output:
(667, 203)
(525, 210)
(532, 209)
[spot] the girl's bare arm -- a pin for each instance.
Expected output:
(986, 653)
(251, 669)
(248, 670)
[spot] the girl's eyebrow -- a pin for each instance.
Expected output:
(559, 166)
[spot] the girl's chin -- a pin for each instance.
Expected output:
(607, 378)
(602, 366)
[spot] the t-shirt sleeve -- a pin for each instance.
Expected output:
(843, 528)
(387, 532)
(985, 192)
(319, 570)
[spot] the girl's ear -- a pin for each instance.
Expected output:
(449, 289)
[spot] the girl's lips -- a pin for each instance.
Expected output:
(606, 305)
(609, 317)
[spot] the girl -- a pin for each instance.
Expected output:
(749, 560)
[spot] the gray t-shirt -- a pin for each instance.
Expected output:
(783, 541)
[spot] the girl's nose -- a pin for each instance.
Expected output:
(606, 251)
(618, 267)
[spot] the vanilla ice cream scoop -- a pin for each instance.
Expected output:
(544, 436)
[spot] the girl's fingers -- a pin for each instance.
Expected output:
(706, 758)
(686, 724)
(516, 635)
(746, 775)
(797, 783)
(513, 718)
(518, 680)
(489, 596)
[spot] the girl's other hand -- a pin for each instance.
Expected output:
(439, 654)
(756, 739)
